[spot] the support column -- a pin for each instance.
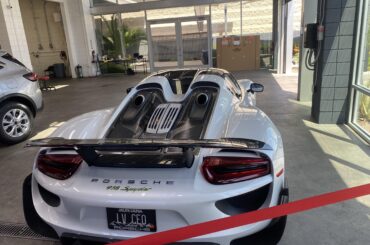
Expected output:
(283, 35)
(13, 37)
(80, 35)
(306, 76)
(330, 102)
(289, 33)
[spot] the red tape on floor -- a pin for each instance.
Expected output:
(200, 229)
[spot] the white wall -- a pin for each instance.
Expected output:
(43, 52)
(78, 26)
(13, 37)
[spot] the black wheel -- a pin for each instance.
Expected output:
(16, 121)
(271, 235)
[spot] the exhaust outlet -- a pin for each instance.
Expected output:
(202, 99)
(139, 100)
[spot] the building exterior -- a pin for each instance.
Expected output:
(341, 88)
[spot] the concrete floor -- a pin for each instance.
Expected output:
(319, 158)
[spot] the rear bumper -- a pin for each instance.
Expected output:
(73, 220)
(69, 238)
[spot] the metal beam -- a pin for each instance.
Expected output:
(136, 7)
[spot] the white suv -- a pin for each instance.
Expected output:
(20, 99)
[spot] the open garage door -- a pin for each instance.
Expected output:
(180, 42)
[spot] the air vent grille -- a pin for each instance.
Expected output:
(163, 118)
(155, 119)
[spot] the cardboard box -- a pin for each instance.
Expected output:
(238, 53)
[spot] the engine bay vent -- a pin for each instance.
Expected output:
(163, 118)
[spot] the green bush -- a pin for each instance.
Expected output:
(365, 103)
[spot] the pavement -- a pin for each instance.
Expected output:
(319, 158)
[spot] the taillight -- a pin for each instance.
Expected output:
(58, 166)
(225, 170)
(31, 76)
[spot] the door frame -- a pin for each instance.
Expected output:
(179, 44)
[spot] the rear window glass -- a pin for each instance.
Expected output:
(12, 59)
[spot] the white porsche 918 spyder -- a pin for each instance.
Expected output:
(185, 146)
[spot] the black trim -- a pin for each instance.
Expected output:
(272, 234)
(140, 144)
(98, 152)
(33, 220)
(149, 85)
(204, 84)
(247, 202)
(50, 198)
(15, 96)
(70, 238)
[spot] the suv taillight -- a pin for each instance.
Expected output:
(58, 166)
(225, 170)
(31, 76)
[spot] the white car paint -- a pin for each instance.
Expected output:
(190, 200)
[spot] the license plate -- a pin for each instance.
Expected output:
(131, 219)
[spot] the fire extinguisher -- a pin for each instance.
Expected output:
(78, 71)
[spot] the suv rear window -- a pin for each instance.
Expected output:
(12, 59)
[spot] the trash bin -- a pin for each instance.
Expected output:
(205, 57)
(59, 70)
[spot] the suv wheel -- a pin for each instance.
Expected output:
(16, 122)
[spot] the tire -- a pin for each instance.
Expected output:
(271, 235)
(16, 122)
(33, 220)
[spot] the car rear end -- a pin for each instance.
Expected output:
(17, 78)
(84, 197)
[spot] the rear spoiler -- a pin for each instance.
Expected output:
(109, 152)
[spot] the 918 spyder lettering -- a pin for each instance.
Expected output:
(127, 188)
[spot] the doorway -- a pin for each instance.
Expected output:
(180, 42)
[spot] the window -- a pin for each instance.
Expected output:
(232, 85)
(360, 99)
(236, 84)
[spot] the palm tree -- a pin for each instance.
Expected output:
(111, 37)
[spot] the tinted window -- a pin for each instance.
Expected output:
(236, 84)
(12, 59)
(233, 85)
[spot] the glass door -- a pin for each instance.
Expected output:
(195, 43)
(360, 96)
(180, 42)
(164, 47)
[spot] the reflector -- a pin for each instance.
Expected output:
(225, 170)
(58, 166)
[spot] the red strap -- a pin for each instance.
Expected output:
(196, 230)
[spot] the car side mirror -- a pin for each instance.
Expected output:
(256, 88)
(128, 90)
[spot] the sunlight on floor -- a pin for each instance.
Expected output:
(306, 104)
(61, 86)
(47, 132)
(350, 159)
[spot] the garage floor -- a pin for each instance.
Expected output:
(319, 158)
